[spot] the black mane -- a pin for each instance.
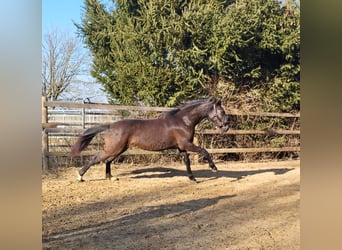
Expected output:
(183, 106)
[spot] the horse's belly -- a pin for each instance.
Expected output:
(152, 144)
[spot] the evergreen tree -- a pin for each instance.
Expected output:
(158, 52)
(260, 52)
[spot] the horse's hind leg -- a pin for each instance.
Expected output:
(111, 159)
(101, 156)
(108, 171)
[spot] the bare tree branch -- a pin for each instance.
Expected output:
(63, 60)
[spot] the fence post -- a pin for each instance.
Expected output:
(83, 118)
(83, 113)
(45, 138)
(196, 156)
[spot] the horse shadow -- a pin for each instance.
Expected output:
(149, 212)
(166, 172)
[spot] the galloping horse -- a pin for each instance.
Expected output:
(172, 130)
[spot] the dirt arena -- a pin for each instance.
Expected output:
(243, 206)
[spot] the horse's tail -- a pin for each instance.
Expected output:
(85, 138)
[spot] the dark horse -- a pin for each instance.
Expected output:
(172, 130)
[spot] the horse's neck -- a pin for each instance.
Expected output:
(193, 117)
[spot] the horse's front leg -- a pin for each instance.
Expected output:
(187, 164)
(193, 148)
(206, 156)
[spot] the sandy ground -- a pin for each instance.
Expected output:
(243, 206)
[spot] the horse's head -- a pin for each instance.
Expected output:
(217, 115)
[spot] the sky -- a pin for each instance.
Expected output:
(59, 15)
(62, 13)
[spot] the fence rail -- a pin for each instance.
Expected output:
(59, 129)
(146, 108)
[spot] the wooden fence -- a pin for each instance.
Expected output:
(52, 127)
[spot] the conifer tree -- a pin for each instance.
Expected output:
(157, 52)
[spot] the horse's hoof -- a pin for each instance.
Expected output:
(192, 178)
(109, 177)
(213, 168)
(79, 178)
